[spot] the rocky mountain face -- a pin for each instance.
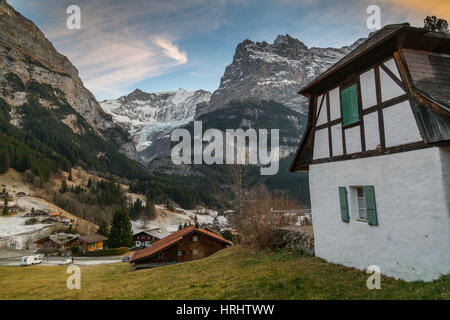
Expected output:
(260, 72)
(150, 116)
(264, 71)
(27, 54)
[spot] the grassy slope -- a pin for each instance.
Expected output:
(230, 274)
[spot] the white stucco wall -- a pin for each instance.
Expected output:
(321, 145)
(412, 239)
(371, 131)
(323, 116)
(400, 126)
(392, 66)
(353, 140)
(336, 139)
(389, 88)
(368, 89)
(335, 104)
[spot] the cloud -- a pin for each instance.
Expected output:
(171, 50)
(122, 43)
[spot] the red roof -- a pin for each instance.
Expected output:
(172, 239)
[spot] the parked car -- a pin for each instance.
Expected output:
(66, 261)
(126, 259)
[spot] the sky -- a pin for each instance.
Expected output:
(164, 45)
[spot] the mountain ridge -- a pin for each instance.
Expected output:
(145, 115)
(277, 71)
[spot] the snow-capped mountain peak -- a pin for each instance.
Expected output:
(142, 113)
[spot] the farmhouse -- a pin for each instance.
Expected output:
(187, 244)
(377, 148)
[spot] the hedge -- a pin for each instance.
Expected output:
(106, 252)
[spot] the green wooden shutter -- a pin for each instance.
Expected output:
(344, 204)
(371, 206)
(349, 100)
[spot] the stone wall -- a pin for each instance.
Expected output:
(298, 240)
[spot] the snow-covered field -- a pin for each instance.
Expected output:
(14, 225)
(169, 221)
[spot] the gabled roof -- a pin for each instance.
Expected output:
(374, 39)
(171, 240)
(93, 238)
(427, 64)
(156, 233)
(60, 238)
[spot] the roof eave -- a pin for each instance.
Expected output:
(306, 90)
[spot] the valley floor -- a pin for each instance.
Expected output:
(232, 273)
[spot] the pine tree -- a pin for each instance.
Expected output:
(89, 184)
(5, 208)
(103, 229)
(63, 187)
(195, 221)
(180, 227)
(120, 234)
(70, 176)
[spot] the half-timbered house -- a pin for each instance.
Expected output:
(377, 148)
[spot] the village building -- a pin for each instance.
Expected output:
(92, 242)
(145, 238)
(60, 241)
(377, 148)
(187, 244)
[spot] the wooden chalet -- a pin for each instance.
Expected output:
(187, 244)
(60, 241)
(92, 242)
(145, 238)
(377, 148)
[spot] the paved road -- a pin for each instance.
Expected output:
(53, 261)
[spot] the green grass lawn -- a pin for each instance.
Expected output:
(233, 273)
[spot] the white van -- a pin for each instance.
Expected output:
(26, 261)
(37, 259)
(30, 260)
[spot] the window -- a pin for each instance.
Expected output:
(179, 253)
(195, 252)
(360, 204)
(195, 238)
(349, 101)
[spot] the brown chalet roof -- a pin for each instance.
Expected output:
(171, 240)
(93, 238)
